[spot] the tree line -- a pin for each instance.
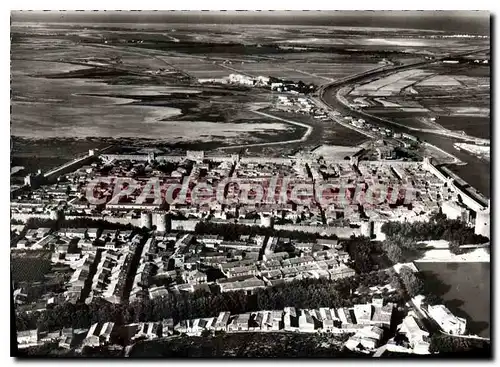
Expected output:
(414, 285)
(405, 237)
(83, 222)
(306, 293)
(438, 227)
(445, 344)
(362, 252)
(232, 232)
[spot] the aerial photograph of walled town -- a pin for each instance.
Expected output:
(272, 184)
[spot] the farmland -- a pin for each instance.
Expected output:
(123, 81)
(126, 89)
(97, 110)
(438, 97)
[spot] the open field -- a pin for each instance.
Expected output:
(97, 109)
(465, 288)
(135, 80)
(439, 80)
(247, 34)
(97, 104)
(392, 84)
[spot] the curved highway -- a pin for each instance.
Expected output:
(476, 172)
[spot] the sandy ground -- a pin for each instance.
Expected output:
(438, 252)
(46, 108)
(440, 80)
(334, 152)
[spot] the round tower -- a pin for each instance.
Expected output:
(161, 221)
(367, 229)
(265, 221)
(146, 220)
(151, 157)
(482, 226)
(56, 214)
(377, 231)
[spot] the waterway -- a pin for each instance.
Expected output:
(476, 171)
(465, 290)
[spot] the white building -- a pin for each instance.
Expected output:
(222, 320)
(194, 277)
(416, 335)
(147, 330)
(241, 79)
(92, 338)
(290, 319)
(159, 291)
(450, 323)
(167, 327)
(212, 80)
(96, 335)
(326, 317)
(276, 86)
(239, 323)
(366, 338)
(275, 318)
(363, 314)
(306, 322)
(262, 80)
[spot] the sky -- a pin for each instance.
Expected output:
(477, 22)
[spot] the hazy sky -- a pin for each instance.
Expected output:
(453, 21)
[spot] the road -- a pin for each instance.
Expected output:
(301, 140)
(476, 172)
(386, 70)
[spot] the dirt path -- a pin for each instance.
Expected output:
(295, 123)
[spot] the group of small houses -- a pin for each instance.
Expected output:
(367, 322)
(76, 247)
(38, 238)
(302, 105)
(373, 316)
(238, 262)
